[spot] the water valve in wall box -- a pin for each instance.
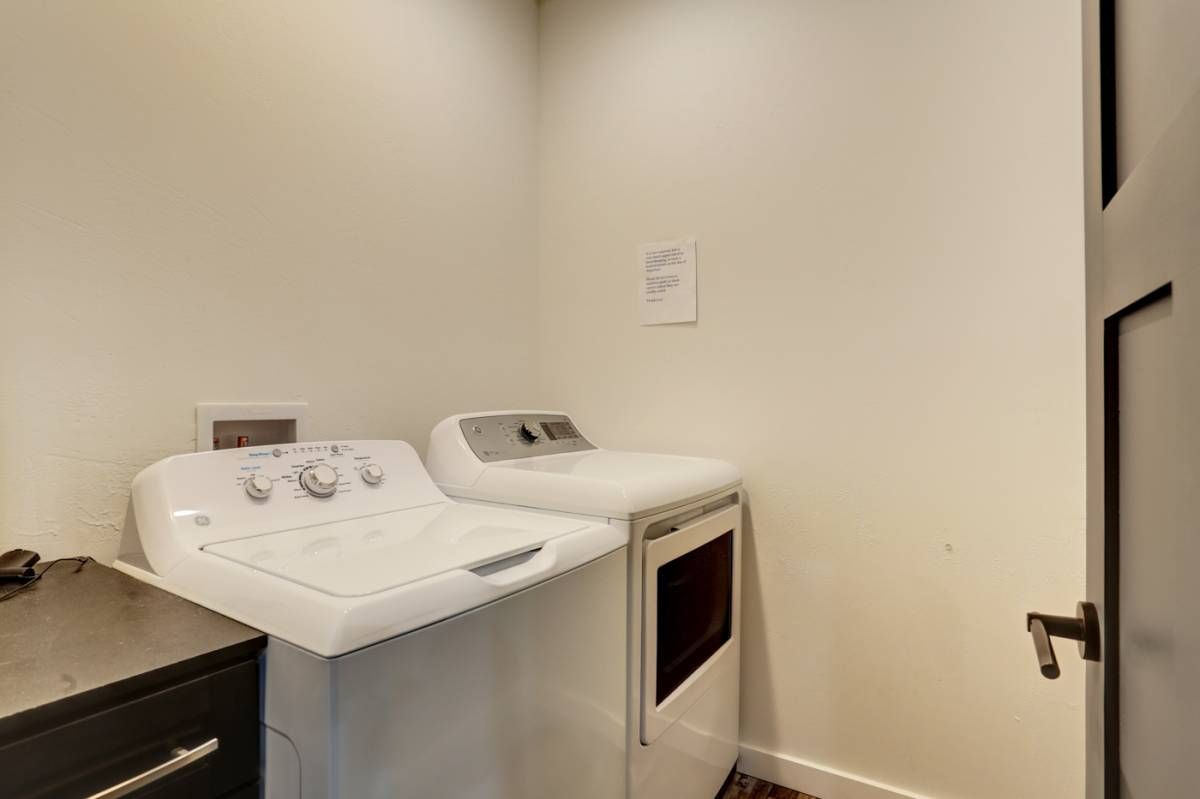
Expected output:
(224, 425)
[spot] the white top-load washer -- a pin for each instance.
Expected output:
(683, 517)
(418, 646)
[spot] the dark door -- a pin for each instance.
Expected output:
(1142, 222)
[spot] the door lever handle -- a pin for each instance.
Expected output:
(1047, 662)
(1083, 627)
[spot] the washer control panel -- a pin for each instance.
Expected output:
(509, 436)
(189, 501)
(301, 471)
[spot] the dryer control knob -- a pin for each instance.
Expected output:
(320, 480)
(531, 431)
(372, 474)
(258, 486)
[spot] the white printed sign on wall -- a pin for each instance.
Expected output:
(668, 282)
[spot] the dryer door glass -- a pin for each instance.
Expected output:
(695, 611)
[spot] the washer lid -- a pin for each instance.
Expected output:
(599, 482)
(367, 555)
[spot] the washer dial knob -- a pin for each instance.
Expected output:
(372, 474)
(531, 431)
(320, 480)
(258, 486)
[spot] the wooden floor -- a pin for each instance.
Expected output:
(741, 786)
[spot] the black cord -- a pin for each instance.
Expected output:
(82, 560)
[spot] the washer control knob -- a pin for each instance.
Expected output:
(531, 431)
(258, 486)
(372, 474)
(320, 480)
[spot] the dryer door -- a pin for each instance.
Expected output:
(691, 589)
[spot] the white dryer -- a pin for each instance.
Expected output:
(683, 517)
(418, 646)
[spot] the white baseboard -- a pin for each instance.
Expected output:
(826, 783)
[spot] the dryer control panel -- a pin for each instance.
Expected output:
(523, 435)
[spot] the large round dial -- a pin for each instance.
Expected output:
(320, 480)
(372, 474)
(258, 486)
(531, 431)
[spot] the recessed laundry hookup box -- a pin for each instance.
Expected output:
(225, 425)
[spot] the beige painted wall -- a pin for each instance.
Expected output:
(252, 201)
(338, 204)
(887, 203)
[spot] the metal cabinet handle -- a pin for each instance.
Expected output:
(180, 758)
(1083, 627)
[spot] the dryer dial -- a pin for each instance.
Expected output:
(372, 474)
(320, 480)
(531, 431)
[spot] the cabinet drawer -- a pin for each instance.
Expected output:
(93, 753)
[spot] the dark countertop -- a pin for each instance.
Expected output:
(77, 641)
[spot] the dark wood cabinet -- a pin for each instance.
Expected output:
(106, 678)
(83, 756)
